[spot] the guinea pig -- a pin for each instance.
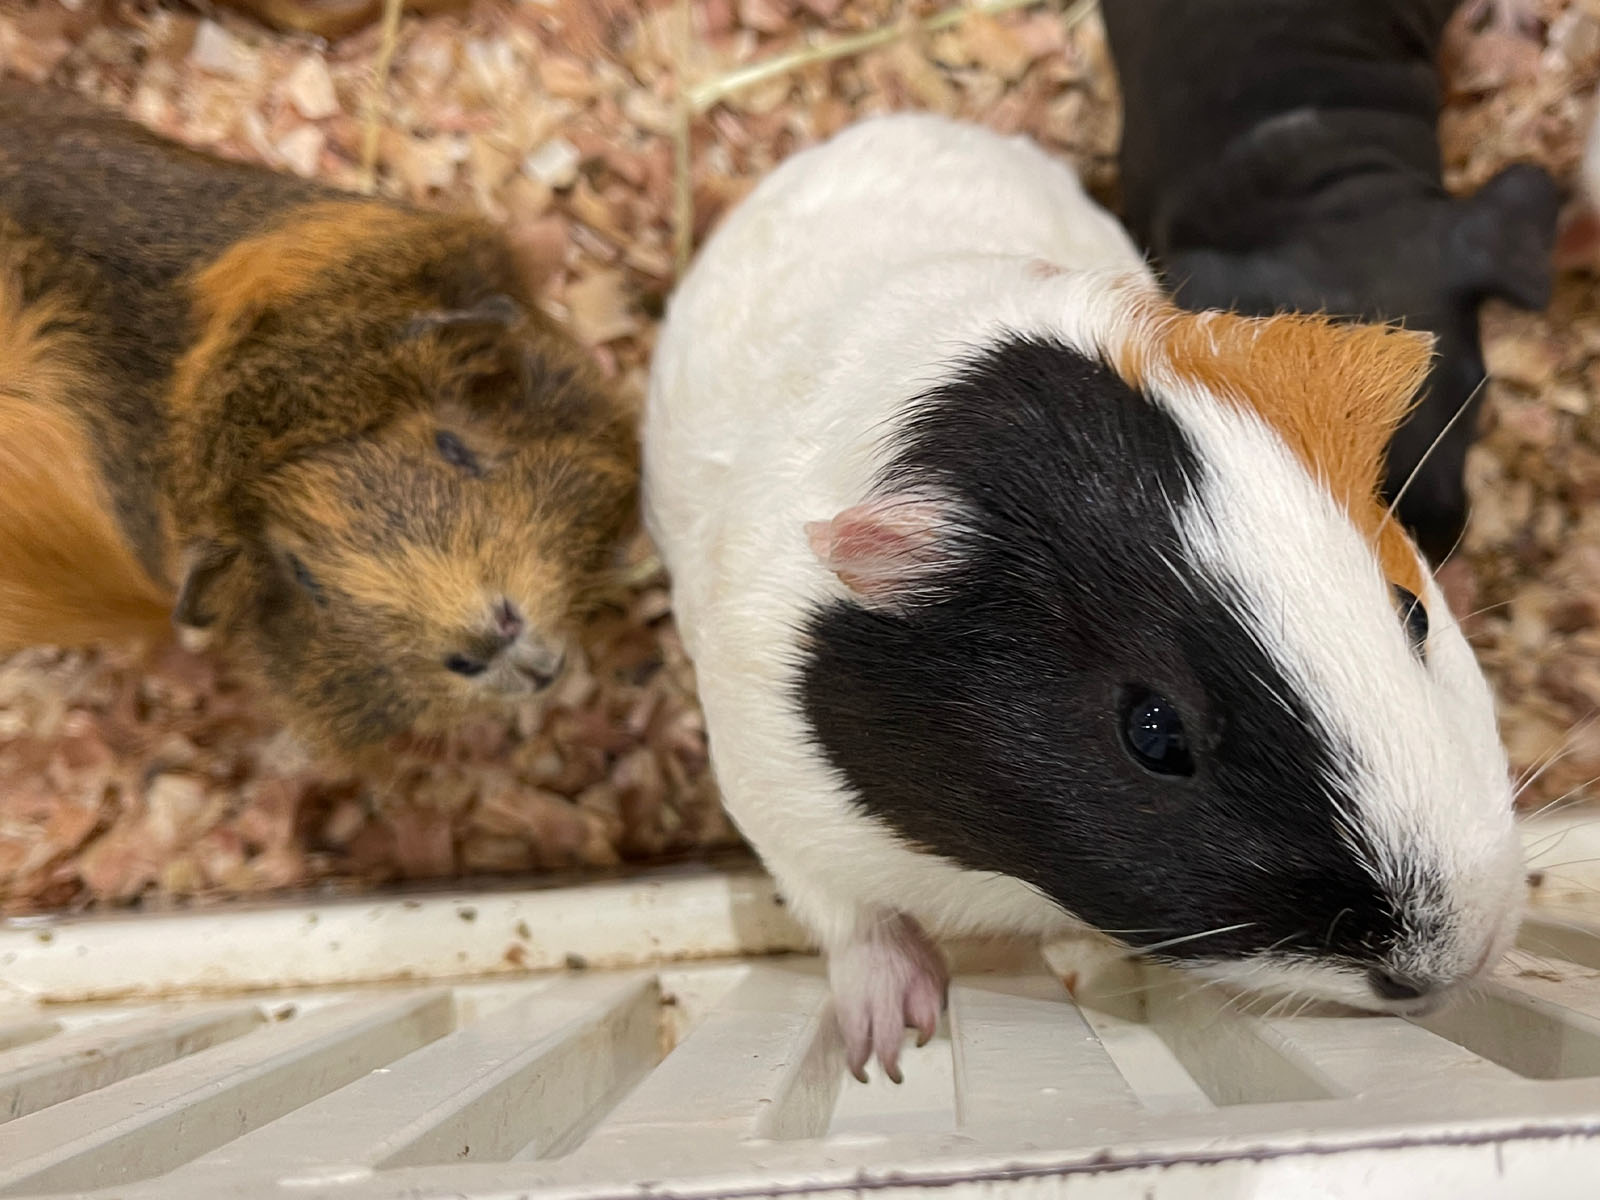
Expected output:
(1021, 600)
(1282, 155)
(331, 19)
(333, 435)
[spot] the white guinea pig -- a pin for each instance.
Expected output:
(1020, 598)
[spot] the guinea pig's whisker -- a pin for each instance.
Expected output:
(1426, 455)
(1559, 835)
(1552, 843)
(1460, 537)
(1137, 989)
(1124, 932)
(1191, 937)
(1334, 924)
(1582, 927)
(1554, 755)
(1557, 866)
(1565, 741)
(1279, 1006)
(1527, 960)
(1487, 608)
(1572, 798)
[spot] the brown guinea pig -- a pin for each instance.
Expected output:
(330, 19)
(331, 434)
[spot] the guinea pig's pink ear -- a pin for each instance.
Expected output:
(884, 548)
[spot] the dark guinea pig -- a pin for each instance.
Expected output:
(332, 434)
(1282, 155)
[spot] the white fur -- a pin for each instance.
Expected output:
(847, 282)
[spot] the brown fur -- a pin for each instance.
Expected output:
(1334, 392)
(340, 429)
(330, 19)
(67, 573)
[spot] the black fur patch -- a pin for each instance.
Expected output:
(985, 726)
(1283, 155)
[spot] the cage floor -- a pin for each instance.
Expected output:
(1052, 1073)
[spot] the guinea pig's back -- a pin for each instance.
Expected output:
(779, 296)
(830, 224)
(143, 208)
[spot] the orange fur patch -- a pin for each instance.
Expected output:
(288, 260)
(1334, 392)
(67, 577)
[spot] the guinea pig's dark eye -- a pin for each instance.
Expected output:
(454, 451)
(1415, 618)
(1153, 732)
(462, 665)
(302, 576)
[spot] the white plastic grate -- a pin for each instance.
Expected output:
(476, 1080)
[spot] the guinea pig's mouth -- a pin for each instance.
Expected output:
(528, 668)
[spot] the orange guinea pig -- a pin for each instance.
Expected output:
(332, 434)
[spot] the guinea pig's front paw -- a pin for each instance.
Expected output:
(888, 978)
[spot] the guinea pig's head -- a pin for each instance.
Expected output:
(1124, 619)
(438, 566)
(426, 542)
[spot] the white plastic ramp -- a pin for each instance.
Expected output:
(723, 1079)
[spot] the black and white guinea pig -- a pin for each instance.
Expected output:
(1022, 600)
(1284, 155)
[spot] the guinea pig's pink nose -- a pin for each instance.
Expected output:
(508, 622)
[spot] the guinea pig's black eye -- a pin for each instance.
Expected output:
(462, 665)
(1153, 732)
(302, 576)
(454, 451)
(1415, 618)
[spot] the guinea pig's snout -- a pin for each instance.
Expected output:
(510, 656)
(1392, 985)
(540, 667)
(532, 662)
(1414, 995)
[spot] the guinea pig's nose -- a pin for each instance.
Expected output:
(508, 622)
(1391, 985)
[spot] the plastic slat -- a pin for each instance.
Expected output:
(1353, 1056)
(46, 1073)
(765, 1062)
(21, 1031)
(1027, 1060)
(529, 1071)
(151, 1123)
(1540, 1018)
